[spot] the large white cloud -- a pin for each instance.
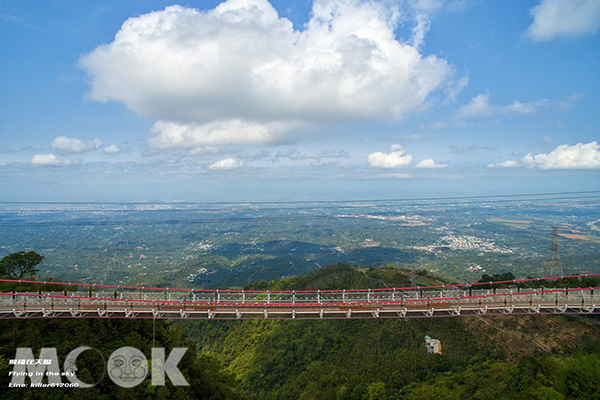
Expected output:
(242, 62)
(394, 159)
(553, 18)
(65, 145)
(578, 156)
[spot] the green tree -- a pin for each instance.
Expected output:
(376, 391)
(506, 276)
(20, 264)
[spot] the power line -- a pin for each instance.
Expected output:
(449, 286)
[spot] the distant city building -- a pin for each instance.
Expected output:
(369, 243)
(434, 346)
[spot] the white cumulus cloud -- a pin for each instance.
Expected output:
(578, 156)
(112, 149)
(394, 159)
(429, 163)
(242, 63)
(553, 18)
(65, 145)
(478, 107)
(227, 164)
(505, 164)
(48, 160)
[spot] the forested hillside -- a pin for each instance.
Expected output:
(550, 356)
(104, 335)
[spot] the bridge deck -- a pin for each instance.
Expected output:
(296, 304)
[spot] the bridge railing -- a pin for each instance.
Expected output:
(35, 305)
(316, 297)
(134, 301)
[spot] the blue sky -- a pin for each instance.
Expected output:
(251, 100)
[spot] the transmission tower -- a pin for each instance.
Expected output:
(554, 265)
(413, 275)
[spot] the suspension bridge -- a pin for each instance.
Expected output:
(118, 301)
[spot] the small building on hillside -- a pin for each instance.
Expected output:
(434, 346)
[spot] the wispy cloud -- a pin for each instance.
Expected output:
(65, 145)
(172, 135)
(293, 154)
(480, 106)
(469, 148)
(227, 164)
(554, 18)
(16, 19)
